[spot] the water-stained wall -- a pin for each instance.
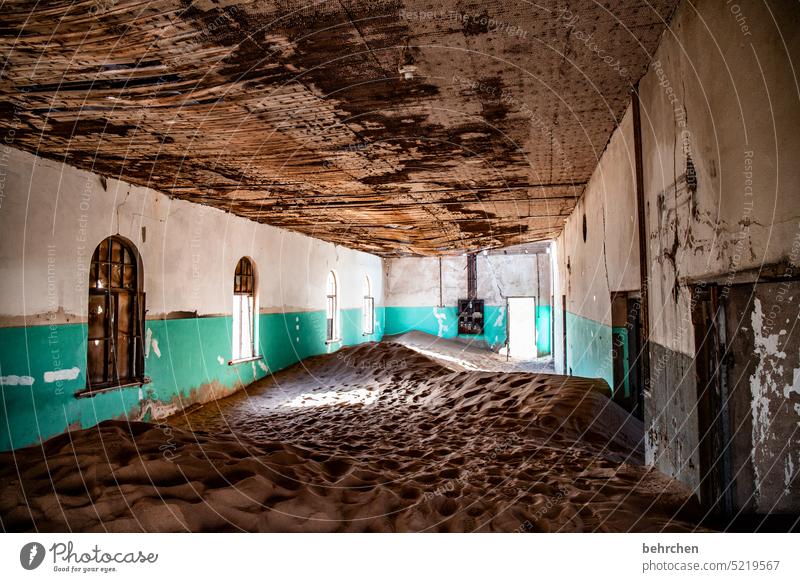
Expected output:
(719, 112)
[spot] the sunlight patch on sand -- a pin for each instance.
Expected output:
(332, 398)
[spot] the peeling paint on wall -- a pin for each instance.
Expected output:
(441, 317)
(14, 380)
(151, 343)
(766, 389)
(60, 375)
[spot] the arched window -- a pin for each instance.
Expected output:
(332, 308)
(368, 310)
(115, 354)
(244, 293)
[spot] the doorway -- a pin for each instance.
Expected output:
(625, 352)
(747, 345)
(522, 327)
(708, 319)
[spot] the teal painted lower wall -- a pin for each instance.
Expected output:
(442, 322)
(187, 362)
(620, 341)
(439, 321)
(544, 329)
(589, 345)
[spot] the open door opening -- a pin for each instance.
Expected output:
(522, 328)
(625, 334)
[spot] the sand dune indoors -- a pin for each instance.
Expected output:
(377, 437)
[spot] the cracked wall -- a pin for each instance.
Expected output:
(719, 111)
(721, 99)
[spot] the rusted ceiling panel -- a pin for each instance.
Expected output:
(392, 127)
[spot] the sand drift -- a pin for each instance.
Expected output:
(377, 437)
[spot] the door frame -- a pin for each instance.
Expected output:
(564, 331)
(713, 407)
(508, 321)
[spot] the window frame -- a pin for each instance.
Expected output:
(332, 331)
(129, 259)
(245, 284)
(368, 309)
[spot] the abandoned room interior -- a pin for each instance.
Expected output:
(399, 266)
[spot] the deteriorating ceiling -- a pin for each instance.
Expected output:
(395, 127)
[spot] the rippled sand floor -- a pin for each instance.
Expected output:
(378, 437)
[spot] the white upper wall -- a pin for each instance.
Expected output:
(414, 282)
(54, 212)
(608, 261)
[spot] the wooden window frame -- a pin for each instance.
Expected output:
(134, 375)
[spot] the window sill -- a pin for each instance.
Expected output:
(333, 341)
(368, 334)
(243, 360)
(89, 392)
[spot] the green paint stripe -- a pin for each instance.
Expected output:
(588, 348)
(185, 355)
(621, 340)
(442, 322)
(543, 329)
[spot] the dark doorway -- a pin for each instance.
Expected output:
(708, 317)
(762, 328)
(747, 343)
(625, 337)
